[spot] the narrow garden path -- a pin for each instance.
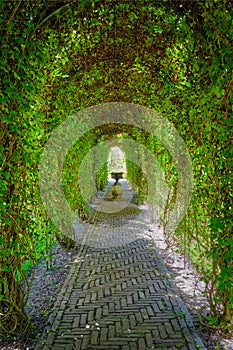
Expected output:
(118, 294)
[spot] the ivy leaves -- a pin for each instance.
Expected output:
(175, 58)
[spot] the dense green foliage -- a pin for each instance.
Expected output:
(59, 58)
(81, 162)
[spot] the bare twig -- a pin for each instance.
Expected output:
(50, 15)
(13, 12)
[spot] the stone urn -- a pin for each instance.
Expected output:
(117, 176)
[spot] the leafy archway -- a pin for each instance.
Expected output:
(61, 57)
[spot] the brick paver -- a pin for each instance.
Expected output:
(118, 294)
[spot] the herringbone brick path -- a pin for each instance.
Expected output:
(120, 297)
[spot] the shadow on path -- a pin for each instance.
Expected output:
(118, 294)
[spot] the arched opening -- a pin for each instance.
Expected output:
(116, 163)
(60, 57)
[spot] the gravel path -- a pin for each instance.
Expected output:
(45, 288)
(187, 280)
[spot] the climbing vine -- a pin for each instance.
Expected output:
(61, 57)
